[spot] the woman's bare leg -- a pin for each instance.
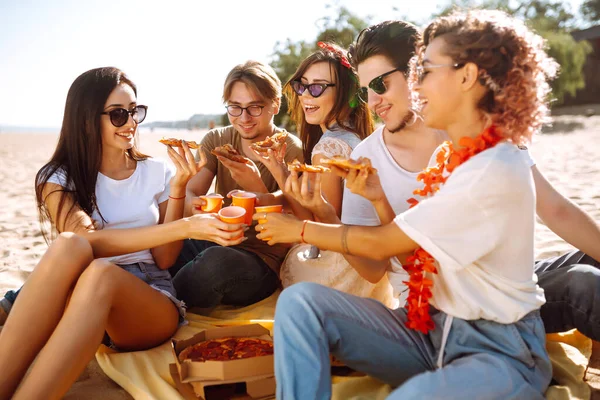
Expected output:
(39, 307)
(105, 298)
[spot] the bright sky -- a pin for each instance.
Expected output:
(178, 52)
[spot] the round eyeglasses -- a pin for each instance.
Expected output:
(253, 111)
(120, 116)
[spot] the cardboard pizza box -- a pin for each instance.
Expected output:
(255, 388)
(190, 371)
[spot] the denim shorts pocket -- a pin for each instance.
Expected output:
(158, 274)
(525, 354)
(135, 270)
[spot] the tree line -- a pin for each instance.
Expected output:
(551, 19)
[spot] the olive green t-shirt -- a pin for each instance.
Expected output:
(272, 255)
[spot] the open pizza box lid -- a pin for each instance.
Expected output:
(190, 371)
(254, 388)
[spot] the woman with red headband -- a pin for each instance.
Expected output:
(331, 121)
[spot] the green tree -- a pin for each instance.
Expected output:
(288, 55)
(590, 10)
(553, 20)
(286, 58)
(571, 55)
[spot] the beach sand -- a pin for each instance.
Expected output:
(567, 156)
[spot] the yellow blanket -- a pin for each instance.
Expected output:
(145, 374)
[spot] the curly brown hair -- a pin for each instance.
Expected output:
(513, 66)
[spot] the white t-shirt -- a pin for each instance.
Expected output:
(131, 202)
(398, 185)
(480, 229)
(527, 156)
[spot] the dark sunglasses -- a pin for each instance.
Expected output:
(377, 85)
(315, 89)
(120, 116)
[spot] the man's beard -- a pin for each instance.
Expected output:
(409, 119)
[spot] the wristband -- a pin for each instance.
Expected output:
(345, 249)
(176, 198)
(302, 233)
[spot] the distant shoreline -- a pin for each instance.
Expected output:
(567, 115)
(54, 131)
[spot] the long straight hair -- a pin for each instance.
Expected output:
(78, 154)
(348, 112)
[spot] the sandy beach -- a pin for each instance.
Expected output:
(567, 156)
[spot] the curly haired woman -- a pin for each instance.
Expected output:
(471, 328)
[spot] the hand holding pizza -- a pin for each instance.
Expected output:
(280, 228)
(245, 174)
(365, 184)
(186, 166)
(306, 190)
(274, 160)
(361, 178)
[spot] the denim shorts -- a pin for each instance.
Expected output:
(158, 279)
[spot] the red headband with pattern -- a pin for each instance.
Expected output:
(343, 59)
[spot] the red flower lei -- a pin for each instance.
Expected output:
(419, 287)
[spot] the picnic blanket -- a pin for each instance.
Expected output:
(145, 374)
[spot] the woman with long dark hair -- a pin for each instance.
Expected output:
(116, 216)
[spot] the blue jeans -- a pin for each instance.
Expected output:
(571, 284)
(482, 359)
(206, 275)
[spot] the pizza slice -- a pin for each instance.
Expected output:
(301, 167)
(273, 142)
(229, 153)
(177, 143)
(348, 163)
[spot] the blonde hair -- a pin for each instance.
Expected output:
(259, 77)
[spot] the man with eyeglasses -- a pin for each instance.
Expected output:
(207, 274)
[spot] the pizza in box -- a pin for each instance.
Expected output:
(227, 349)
